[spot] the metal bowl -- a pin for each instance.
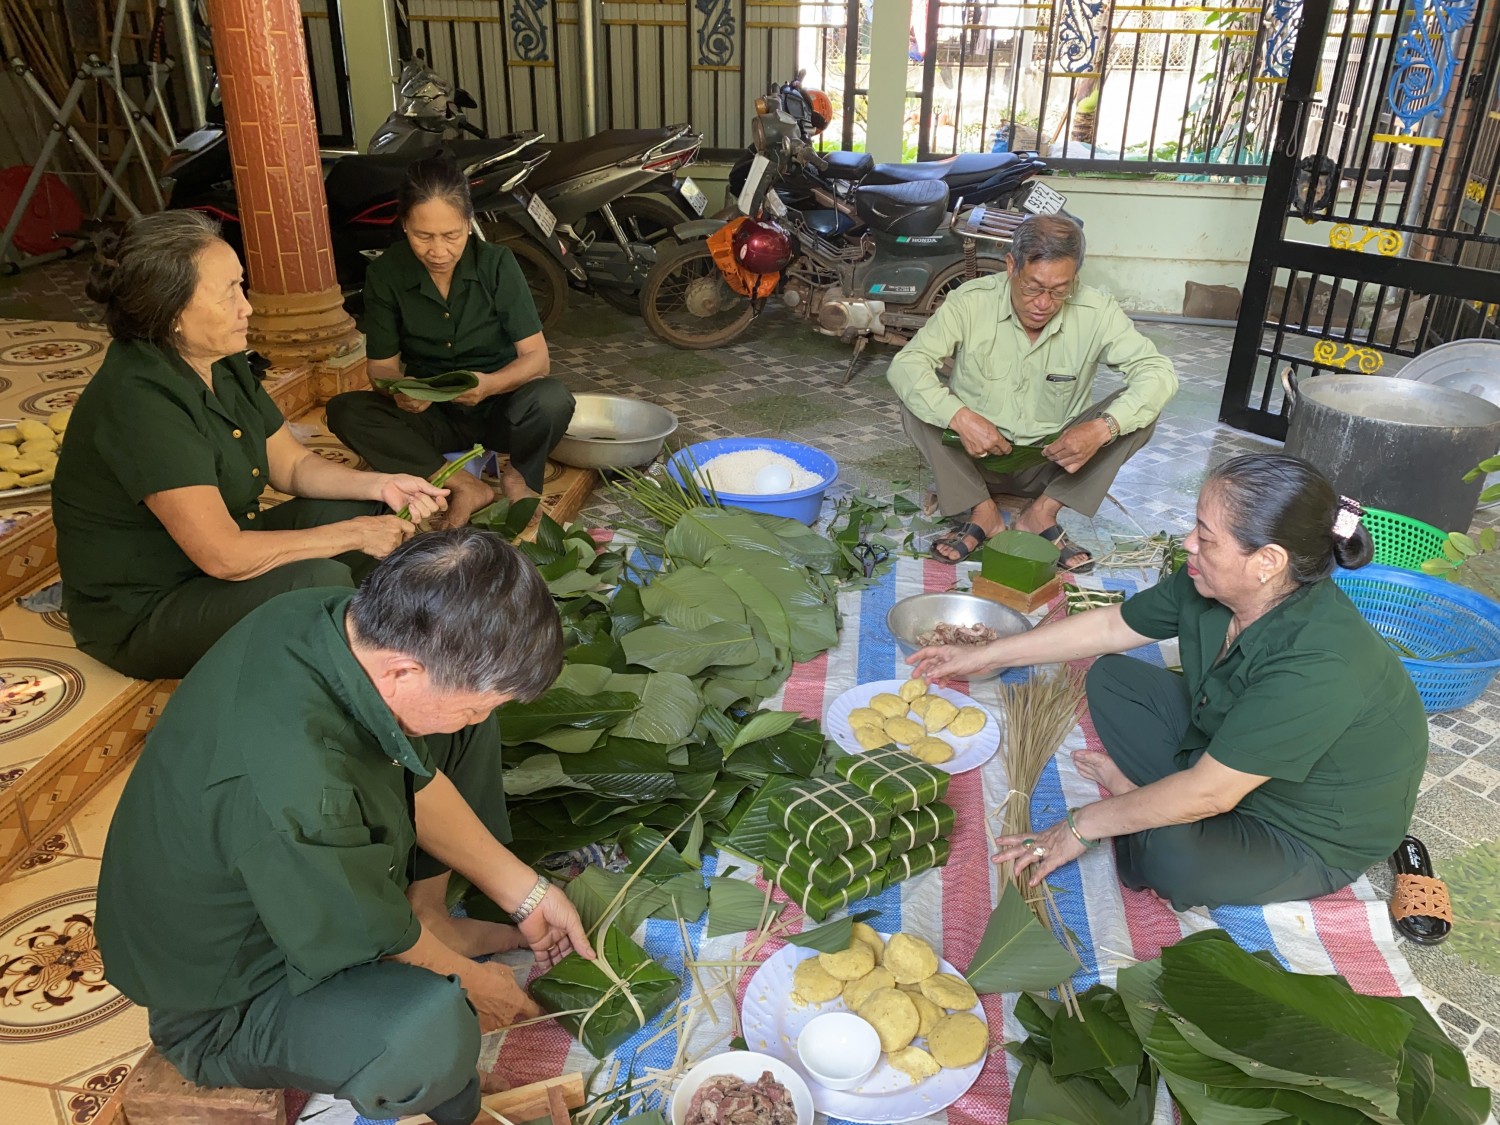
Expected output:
(614, 432)
(911, 617)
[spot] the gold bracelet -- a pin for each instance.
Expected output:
(531, 901)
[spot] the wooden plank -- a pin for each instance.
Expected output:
(156, 1094)
(524, 1103)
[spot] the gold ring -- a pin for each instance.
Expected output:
(1039, 852)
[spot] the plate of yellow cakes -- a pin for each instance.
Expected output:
(936, 725)
(28, 454)
(934, 1035)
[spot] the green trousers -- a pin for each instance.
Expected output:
(391, 1038)
(185, 624)
(525, 424)
(1142, 714)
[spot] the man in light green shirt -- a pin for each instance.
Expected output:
(1025, 346)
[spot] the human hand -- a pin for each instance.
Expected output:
(553, 930)
(409, 404)
(1073, 448)
(419, 497)
(1057, 844)
(378, 536)
(952, 662)
(489, 386)
(978, 433)
(496, 996)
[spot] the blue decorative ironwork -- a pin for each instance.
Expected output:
(716, 32)
(1078, 35)
(1426, 58)
(1283, 18)
(528, 27)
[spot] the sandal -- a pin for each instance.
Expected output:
(956, 540)
(1419, 907)
(1068, 550)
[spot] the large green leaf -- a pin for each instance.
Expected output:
(639, 841)
(1435, 1083)
(666, 648)
(569, 740)
(1017, 953)
(1037, 1094)
(539, 772)
(1136, 985)
(735, 905)
(1036, 1014)
(584, 679)
(760, 602)
(595, 888)
(560, 707)
(1101, 1045)
(749, 835)
(668, 711)
(435, 388)
(831, 937)
(703, 531)
(689, 597)
(800, 543)
(809, 611)
(763, 724)
(796, 752)
(621, 771)
(626, 611)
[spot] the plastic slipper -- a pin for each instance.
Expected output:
(1068, 550)
(954, 540)
(1419, 906)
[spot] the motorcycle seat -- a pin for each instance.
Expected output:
(613, 146)
(913, 209)
(469, 153)
(966, 168)
(827, 223)
(354, 182)
(848, 165)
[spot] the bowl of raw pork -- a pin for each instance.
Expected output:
(742, 1086)
(782, 478)
(939, 619)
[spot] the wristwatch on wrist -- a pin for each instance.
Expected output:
(1114, 427)
(532, 900)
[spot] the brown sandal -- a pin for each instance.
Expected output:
(1420, 907)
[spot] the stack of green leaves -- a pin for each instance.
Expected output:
(1237, 1038)
(604, 1002)
(665, 669)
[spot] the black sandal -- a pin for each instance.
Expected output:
(956, 541)
(1420, 908)
(1068, 550)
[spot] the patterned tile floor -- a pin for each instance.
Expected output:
(62, 1053)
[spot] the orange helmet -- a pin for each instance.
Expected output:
(822, 109)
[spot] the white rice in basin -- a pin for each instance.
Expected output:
(755, 472)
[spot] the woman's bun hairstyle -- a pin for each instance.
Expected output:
(145, 276)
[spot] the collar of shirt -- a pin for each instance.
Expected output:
(351, 685)
(414, 274)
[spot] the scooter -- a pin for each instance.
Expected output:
(881, 280)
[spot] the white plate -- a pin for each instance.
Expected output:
(772, 1022)
(968, 753)
(17, 493)
(748, 1065)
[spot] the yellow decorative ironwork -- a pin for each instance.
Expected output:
(1368, 360)
(1388, 243)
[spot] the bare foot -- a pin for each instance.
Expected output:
(471, 936)
(514, 485)
(467, 494)
(987, 516)
(1100, 767)
(1039, 515)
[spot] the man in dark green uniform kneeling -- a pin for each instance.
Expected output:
(272, 889)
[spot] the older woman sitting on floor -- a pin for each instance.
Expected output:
(1285, 759)
(160, 537)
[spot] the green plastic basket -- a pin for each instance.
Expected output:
(1402, 541)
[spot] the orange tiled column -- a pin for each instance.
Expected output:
(299, 313)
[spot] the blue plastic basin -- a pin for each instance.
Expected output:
(802, 505)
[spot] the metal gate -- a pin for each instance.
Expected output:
(1378, 235)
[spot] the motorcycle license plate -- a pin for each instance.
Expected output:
(1043, 200)
(543, 215)
(694, 195)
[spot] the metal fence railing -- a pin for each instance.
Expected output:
(1176, 86)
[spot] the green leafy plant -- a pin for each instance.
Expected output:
(437, 388)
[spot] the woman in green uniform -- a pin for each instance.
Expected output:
(1285, 759)
(160, 537)
(441, 301)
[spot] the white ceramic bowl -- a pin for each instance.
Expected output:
(748, 1065)
(839, 1050)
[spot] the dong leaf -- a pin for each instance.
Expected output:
(800, 543)
(795, 752)
(539, 772)
(621, 770)
(569, 740)
(1101, 1040)
(760, 602)
(1017, 953)
(1447, 1095)
(668, 710)
(666, 648)
(436, 388)
(735, 906)
(583, 679)
(763, 724)
(561, 707)
(595, 888)
(1077, 1101)
(626, 611)
(703, 531)
(831, 937)
(639, 841)
(692, 598)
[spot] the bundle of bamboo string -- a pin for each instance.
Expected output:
(1039, 713)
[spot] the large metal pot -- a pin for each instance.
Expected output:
(614, 432)
(1395, 444)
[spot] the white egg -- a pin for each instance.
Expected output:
(773, 478)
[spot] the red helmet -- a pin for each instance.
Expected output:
(761, 247)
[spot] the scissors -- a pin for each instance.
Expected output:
(870, 555)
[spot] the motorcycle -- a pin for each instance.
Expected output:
(880, 279)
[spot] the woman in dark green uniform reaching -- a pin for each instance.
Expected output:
(442, 301)
(1285, 759)
(160, 537)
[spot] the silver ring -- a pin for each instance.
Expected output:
(1039, 852)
